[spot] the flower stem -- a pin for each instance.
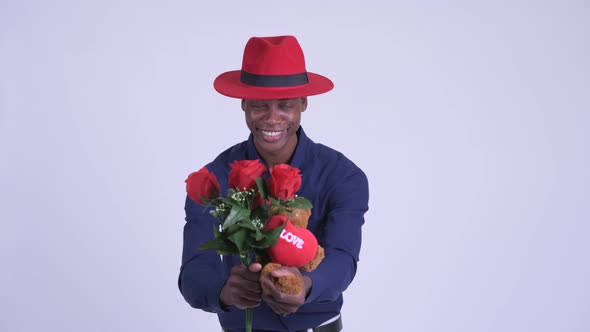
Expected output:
(247, 260)
(248, 319)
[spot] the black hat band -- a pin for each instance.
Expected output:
(273, 81)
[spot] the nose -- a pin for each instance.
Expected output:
(273, 116)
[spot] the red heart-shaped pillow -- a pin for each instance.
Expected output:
(295, 246)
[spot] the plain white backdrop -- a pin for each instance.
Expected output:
(470, 118)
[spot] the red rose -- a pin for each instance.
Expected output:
(243, 174)
(202, 184)
(284, 181)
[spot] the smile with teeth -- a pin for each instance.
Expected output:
(271, 133)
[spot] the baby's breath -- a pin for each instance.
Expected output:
(239, 196)
(257, 223)
(219, 210)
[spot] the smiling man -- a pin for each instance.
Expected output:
(274, 125)
(273, 85)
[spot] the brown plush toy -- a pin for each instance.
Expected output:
(296, 247)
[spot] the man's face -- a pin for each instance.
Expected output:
(274, 124)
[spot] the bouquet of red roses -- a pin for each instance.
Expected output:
(248, 205)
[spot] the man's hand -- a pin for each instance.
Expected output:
(242, 289)
(281, 303)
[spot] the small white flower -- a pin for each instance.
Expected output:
(257, 223)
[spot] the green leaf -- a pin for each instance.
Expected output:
(258, 235)
(232, 202)
(221, 245)
(236, 214)
(239, 238)
(247, 224)
(211, 201)
(300, 203)
(262, 187)
(232, 229)
(270, 237)
(274, 201)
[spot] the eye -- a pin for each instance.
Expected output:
(287, 106)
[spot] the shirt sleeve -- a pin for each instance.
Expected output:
(347, 203)
(201, 274)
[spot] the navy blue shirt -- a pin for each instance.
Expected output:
(339, 192)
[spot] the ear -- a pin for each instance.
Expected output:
(244, 105)
(303, 104)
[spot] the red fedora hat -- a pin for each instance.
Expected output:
(272, 68)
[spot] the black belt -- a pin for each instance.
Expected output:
(335, 326)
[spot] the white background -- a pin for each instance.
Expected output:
(470, 118)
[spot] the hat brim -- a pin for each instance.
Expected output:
(228, 84)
